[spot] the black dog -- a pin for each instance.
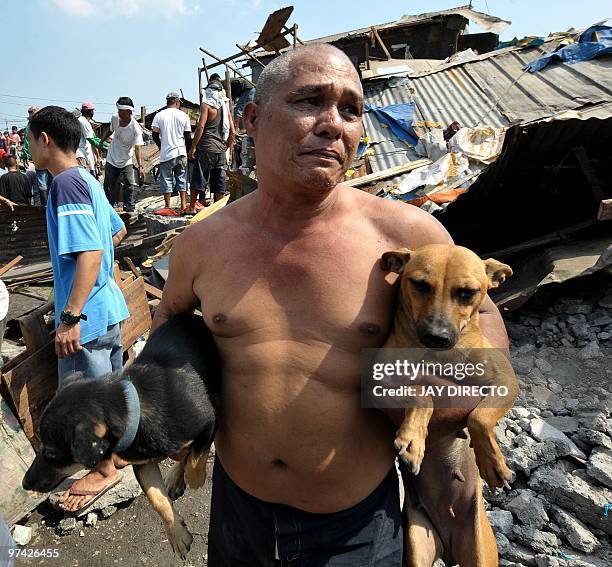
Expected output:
(166, 402)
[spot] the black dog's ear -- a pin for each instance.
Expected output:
(87, 448)
(395, 260)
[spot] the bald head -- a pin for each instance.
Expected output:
(282, 68)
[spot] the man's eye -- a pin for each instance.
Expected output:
(310, 100)
(353, 110)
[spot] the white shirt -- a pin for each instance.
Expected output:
(4, 300)
(85, 150)
(172, 124)
(121, 150)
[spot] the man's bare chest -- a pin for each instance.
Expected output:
(335, 293)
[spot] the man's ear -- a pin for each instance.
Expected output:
(395, 260)
(87, 448)
(496, 272)
(250, 116)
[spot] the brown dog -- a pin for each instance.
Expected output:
(441, 290)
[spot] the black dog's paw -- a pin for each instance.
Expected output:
(180, 537)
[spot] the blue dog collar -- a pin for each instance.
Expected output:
(133, 414)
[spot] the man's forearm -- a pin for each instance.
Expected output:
(138, 152)
(157, 139)
(197, 136)
(85, 276)
(119, 236)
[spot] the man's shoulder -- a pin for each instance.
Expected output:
(398, 221)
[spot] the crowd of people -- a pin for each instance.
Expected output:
(187, 165)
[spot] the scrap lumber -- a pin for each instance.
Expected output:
(34, 328)
(10, 265)
(140, 320)
(153, 291)
(16, 455)
(132, 266)
(387, 173)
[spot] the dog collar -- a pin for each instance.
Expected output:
(133, 415)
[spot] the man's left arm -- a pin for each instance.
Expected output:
(68, 337)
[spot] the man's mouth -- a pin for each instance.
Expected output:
(331, 155)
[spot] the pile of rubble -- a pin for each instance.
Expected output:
(558, 437)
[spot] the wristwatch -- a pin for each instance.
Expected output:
(70, 318)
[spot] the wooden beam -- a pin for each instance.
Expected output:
(227, 65)
(34, 329)
(139, 321)
(153, 291)
(589, 173)
(131, 265)
(10, 265)
(385, 174)
(251, 56)
(380, 41)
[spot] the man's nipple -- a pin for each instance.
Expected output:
(219, 318)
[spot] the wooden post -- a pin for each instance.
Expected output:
(143, 114)
(200, 84)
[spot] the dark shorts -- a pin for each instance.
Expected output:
(247, 531)
(209, 168)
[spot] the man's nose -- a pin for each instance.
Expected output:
(329, 123)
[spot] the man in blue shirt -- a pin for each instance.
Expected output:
(82, 229)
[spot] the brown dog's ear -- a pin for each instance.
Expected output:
(87, 448)
(496, 272)
(395, 260)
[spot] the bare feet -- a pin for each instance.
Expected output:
(95, 481)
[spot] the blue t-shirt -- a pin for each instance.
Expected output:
(80, 218)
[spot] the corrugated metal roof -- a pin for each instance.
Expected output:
(389, 150)
(495, 90)
(24, 232)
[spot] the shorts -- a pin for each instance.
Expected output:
(96, 359)
(245, 531)
(173, 175)
(209, 169)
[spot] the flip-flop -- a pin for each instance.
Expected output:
(187, 213)
(95, 493)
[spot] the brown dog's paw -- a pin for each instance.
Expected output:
(491, 463)
(411, 449)
(179, 537)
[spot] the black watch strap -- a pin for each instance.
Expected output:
(70, 318)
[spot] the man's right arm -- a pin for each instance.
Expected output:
(178, 296)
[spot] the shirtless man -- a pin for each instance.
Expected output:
(288, 280)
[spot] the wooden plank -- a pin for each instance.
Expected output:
(590, 173)
(140, 320)
(126, 281)
(117, 274)
(34, 329)
(132, 266)
(380, 42)
(31, 385)
(16, 455)
(227, 65)
(10, 265)
(153, 291)
(385, 174)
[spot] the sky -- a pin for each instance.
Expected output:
(68, 51)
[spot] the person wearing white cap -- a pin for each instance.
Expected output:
(85, 153)
(171, 132)
(127, 141)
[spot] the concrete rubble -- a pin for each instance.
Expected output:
(558, 437)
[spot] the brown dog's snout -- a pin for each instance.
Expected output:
(437, 332)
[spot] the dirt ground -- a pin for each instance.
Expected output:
(133, 536)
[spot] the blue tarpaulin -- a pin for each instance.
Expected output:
(398, 117)
(583, 50)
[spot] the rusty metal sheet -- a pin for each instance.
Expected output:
(24, 232)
